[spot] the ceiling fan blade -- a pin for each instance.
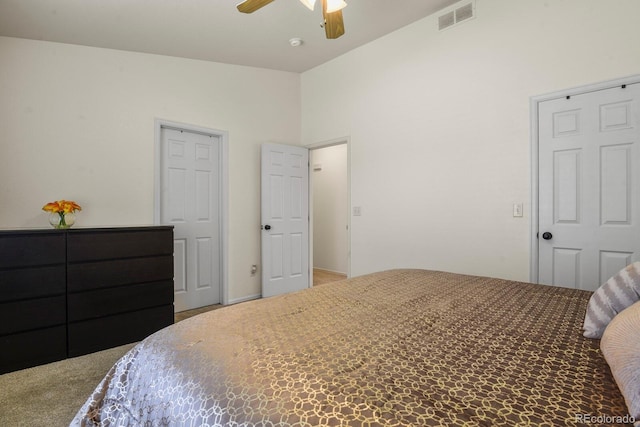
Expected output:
(249, 6)
(333, 22)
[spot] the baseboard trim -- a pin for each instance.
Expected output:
(329, 271)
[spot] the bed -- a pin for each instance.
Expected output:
(395, 348)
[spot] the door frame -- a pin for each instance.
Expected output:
(316, 146)
(223, 190)
(534, 103)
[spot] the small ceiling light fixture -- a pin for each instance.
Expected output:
(295, 42)
(335, 5)
(309, 3)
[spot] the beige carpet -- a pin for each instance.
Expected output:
(50, 395)
(189, 313)
(320, 276)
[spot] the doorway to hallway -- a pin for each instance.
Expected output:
(329, 212)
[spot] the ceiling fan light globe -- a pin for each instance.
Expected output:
(309, 3)
(335, 5)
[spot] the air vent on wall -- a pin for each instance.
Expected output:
(456, 15)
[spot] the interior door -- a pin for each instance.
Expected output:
(285, 219)
(589, 186)
(190, 202)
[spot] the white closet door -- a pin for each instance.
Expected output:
(190, 202)
(589, 186)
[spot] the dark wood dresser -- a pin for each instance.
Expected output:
(65, 293)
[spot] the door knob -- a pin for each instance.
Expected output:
(267, 227)
(547, 236)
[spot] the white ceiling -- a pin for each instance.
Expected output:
(211, 30)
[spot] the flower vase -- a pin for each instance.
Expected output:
(61, 220)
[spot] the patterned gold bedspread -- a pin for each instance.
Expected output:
(396, 348)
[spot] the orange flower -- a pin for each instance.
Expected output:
(51, 207)
(70, 206)
(64, 206)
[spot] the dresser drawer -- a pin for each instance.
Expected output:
(31, 314)
(31, 250)
(96, 275)
(105, 302)
(32, 348)
(90, 246)
(106, 332)
(32, 283)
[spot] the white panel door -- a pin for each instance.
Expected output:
(285, 219)
(190, 202)
(589, 186)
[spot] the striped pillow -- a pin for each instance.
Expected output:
(618, 293)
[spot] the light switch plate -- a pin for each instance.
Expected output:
(517, 210)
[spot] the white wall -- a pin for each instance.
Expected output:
(330, 208)
(439, 126)
(78, 123)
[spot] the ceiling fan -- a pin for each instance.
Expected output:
(331, 11)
